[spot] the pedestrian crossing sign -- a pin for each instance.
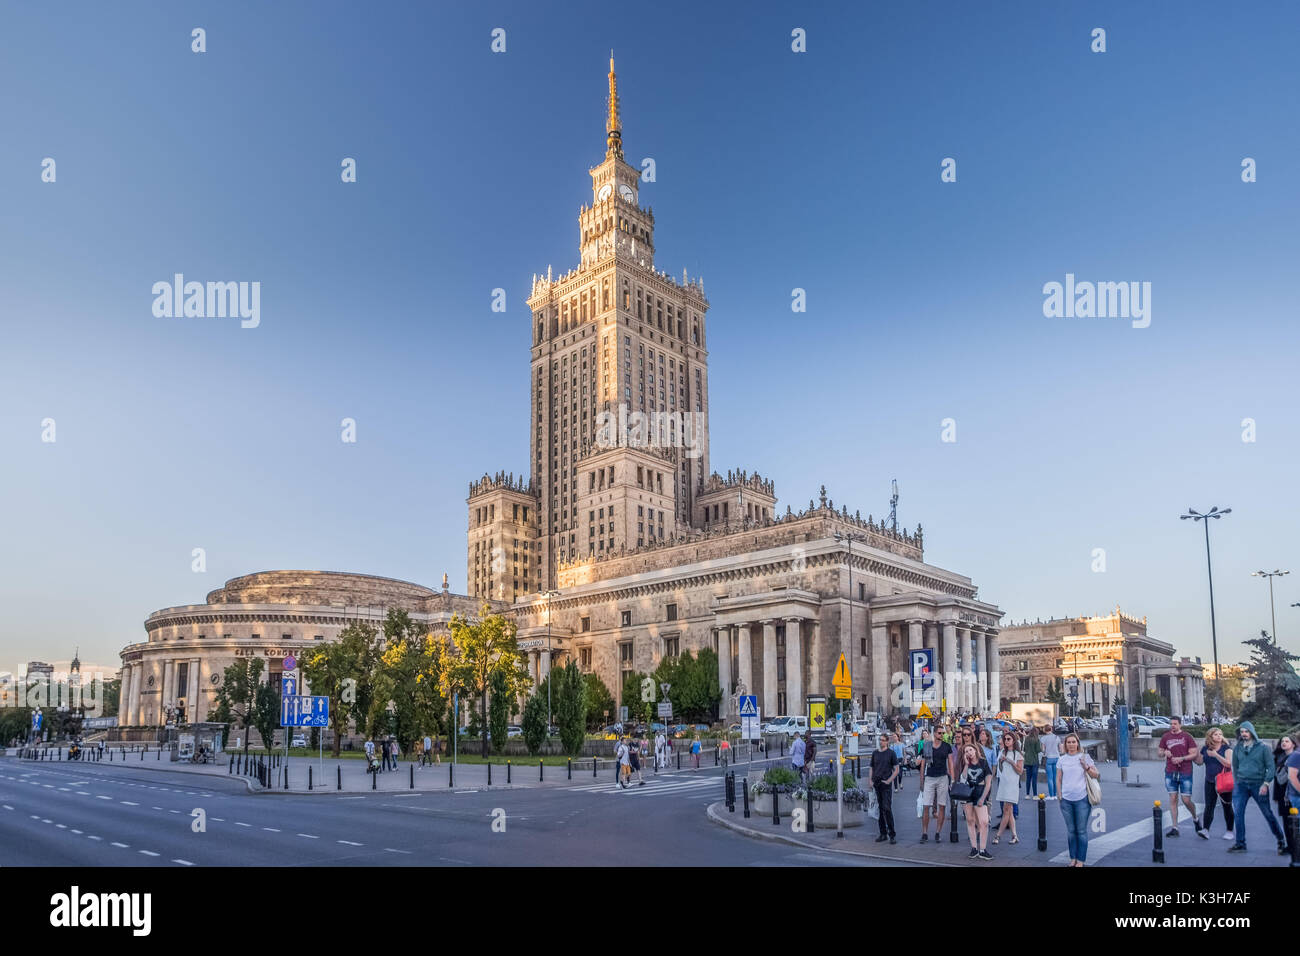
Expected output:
(925, 713)
(749, 706)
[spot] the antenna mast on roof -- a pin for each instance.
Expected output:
(893, 508)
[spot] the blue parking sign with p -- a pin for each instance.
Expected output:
(924, 679)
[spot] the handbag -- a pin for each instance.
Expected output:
(1094, 790)
(1223, 783)
(961, 791)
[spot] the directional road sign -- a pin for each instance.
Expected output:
(288, 686)
(305, 712)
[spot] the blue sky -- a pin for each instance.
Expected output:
(775, 170)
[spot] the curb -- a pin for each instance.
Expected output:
(721, 820)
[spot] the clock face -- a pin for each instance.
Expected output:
(625, 191)
(605, 190)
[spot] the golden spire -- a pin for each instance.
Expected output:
(613, 124)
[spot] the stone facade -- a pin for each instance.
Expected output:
(1112, 655)
(271, 615)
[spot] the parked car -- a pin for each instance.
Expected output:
(514, 730)
(1146, 726)
(298, 741)
(791, 725)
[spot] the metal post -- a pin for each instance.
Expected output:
(1158, 847)
(286, 776)
(310, 785)
(570, 768)
(411, 767)
(776, 809)
(744, 784)
(811, 826)
(451, 774)
(952, 818)
(374, 780)
(508, 770)
(1042, 823)
(1293, 821)
(679, 760)
(541, 769)
(338, 783)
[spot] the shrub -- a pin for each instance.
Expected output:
(780, 776)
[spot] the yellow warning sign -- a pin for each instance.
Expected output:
(924, 712)
(817, 714)
(841, 678)
(843, 693)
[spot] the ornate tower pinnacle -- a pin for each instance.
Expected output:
(613, 124)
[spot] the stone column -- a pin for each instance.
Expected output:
(965, 692)
(1175, 694)
(793, 666)
(815, 659)
(724, 667)
(982, 677)
(951, 667)
(195, 706)
(745, 663)
(880, 665)
(769, 666)
(995, 671)
(532, 671)
(544, 656)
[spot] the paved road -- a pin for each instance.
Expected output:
(124, 815)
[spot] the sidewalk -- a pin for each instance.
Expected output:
(1126, 840)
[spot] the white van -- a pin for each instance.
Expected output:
(791, 726)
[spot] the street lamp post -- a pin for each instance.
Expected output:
(1216, 514)
(848, 538)
(1272, 610)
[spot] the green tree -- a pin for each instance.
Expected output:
(1055, 692)
(237, 696)
(1152, 699)
(597, 700)
(266, 712)
(571, 709)
(407, 701)
(336, 670)
(693, 682)
(534, 724)
(480, 650)
(631, 695)
(1276, 687)
(499, 712)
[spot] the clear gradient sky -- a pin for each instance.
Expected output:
(775, 170)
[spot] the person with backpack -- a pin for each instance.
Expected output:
(1252, 771)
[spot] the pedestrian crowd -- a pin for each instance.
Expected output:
(966, 763)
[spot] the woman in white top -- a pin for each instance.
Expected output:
(1010, 768)
(1072, 770)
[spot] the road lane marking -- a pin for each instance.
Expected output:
(238, 824)
(125, 846)
(217, 819)
(83, 793)
(389, 849)
(128, 803)
(100, 796)
(173, 811)
(78, 832)
(183, 862)
(309, 836)
(350, 843)
(7, 807)
(61, 826)
(270, 829)
(157, 808)
(47, 821)
(149, 853)
(92, 837)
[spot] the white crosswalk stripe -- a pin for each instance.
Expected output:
(663, 787)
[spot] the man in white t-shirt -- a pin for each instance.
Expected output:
(428, 750)
(1051, 753)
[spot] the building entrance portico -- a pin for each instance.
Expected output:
(771, 644)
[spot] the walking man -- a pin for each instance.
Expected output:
(797, 756)
(427, 756)
(1181, 755)
(884, 771)
(936, 772)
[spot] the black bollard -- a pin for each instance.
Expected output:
(776, 809)
(339, 782)
(541, 773)
(1293, 821)
(1158, 847)
(110, 756)
(412, 768)
(679, 760)
(286, 776)
(142, 756)
(715, 756)
(593, 766)
(952, 814)
(508, 770)
(451, 775)
(374, 781)
(310, 785)
(489, 773)
(1042, 823)
(570, 765)
(744, 786)
(811, 827)
(159, 757)
(231, 768)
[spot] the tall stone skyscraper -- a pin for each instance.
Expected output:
(610, 339)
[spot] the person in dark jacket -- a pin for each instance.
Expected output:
(1284, 748)
(1252, 772)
